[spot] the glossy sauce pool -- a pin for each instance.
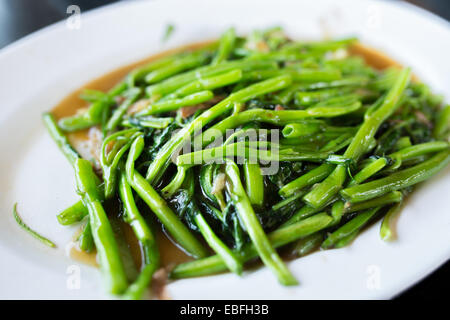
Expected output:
(82, 141)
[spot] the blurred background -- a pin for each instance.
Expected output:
(21, 17)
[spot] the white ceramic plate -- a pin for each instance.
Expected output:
(39, 70)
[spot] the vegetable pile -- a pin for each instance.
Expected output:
(351, 142)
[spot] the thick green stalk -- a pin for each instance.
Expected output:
(277, 238)
(388, 198)
(387, 232)
(86, 240)
(139, 73)
(347, 229)
(254, 183)
(368, 171)
(226, 46)
(311, 177)
(147, 122)
(156, 168)
(175, 104)
(398, 180)
(181, 64)
(442, 126)
(327, 189)
(132, 215)
(307, 210)
(345, 241)
(370, 126)
(175, 183)
(253, 226)
(78, 211)
(337, 212)
(105, 242)
(300, 75)
(74, 213)
(210, 83)
(150, 264)
(307, 98)
(229, 258)
(93, 115)
(416, 151)
(58, 136)
(280, 117)
(110, 162)
(145, 237)
(170, 85)
(252, 151)
(308, 244)
(295, 130)
(361, 142)
(169, 219)
(131, 96)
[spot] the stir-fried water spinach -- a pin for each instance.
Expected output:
(246, 146)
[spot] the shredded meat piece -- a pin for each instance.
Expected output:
(95, 138)
(186, 112)
(142, 104)
(423, 118)
(347, 205)
(80, 111)
(259, 46)
(138, 106)
(88, 144)
(219, 183)
(262, 46)
(159, 284)
(119, 99)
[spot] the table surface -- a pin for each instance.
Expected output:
(21, 17)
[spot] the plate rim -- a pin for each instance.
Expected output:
(16, 45)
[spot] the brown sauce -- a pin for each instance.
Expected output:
(72, 103)
(170, 253)
(89, 259)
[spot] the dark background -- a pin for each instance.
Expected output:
(21, 17)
